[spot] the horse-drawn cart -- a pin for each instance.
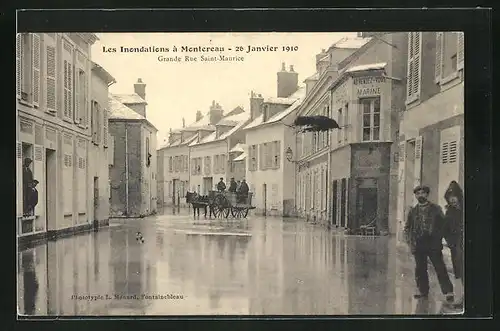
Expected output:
(224, 203)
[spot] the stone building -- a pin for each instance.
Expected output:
(53, 128)
(431, 137)
(270, 176)
(133, 169)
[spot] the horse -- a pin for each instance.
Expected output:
(197, 202)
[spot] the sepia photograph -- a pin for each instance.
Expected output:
(240, 173)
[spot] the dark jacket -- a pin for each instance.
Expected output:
(428, 234)
(244, 188)
(454, 229)
(221, 186)
(33, 198)
(232, 186)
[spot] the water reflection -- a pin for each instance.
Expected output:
(261, 266)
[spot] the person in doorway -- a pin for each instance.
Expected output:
(33, 197)
(232, 185)
(454, 232)
(423, 232)
(27, 183)
(221, 186)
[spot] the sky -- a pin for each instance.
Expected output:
(176, 90)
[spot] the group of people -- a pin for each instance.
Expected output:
(425, 228)
(30, 193)
(239, 187)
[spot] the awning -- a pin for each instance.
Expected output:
(238, 148)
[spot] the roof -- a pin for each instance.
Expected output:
(280, 101)
(103, 73)
(133, 98)
(351, 43)
(325, 58)
(298, 96)
(371, 66)
(212, 137)
(238, 148)
(240, 157)
(233, 120)
(178, 142)
(118, 110)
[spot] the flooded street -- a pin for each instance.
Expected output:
(178, 266)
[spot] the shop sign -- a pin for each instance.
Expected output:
(368, 86)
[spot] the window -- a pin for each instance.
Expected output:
(371, 118)
(96, 122)
(252, 159)
(207, 165)
(25, 62)
(276, 154)
(105, 134)
(51, 73)
(170, 164)
(80, 97)
(68, 79)
(340, 120)
(449, 55)
(36, 57)
(346, 121)
(147, 150)
(414, 62)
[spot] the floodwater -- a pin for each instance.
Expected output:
(181, 266)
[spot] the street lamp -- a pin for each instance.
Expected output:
(289, 154)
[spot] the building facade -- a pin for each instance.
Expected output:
(270, 176)
(133, 170)
(53, 90)
(431, 137)
(100, 150)
(365, 98)
(314, 148)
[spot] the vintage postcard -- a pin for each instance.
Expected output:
(240, 173)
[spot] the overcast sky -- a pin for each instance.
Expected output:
(177, 90)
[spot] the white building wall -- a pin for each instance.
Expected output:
(273, 180)
(170, 176)
(99, 166)
(209, 149)
(148, 182)
(41, 127)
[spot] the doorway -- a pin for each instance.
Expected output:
(264, 198)
(208, 183)
(334, 203)
(50, 188)
(367, 204)
(409, 176)
(174, 191)
(96, 202)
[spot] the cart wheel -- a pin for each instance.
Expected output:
(234, 212)
(215, 211)
(225, 212)
(244, 212)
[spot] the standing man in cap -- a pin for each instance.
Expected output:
(423, 232)
(27, 182)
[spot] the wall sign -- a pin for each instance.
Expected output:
(368, 86)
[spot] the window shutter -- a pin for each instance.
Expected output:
(278, 154)
(98, 119)
(50, 60)
(76, 86)
(261, 156)
(418, 161)
(36, 43)
(439, 57)
(19, 64)
(105, 128)
(416, 64)
(401, 184)
(409, 78)
(444, 152)
(460, 51)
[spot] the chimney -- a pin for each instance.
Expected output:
(256, 102)
(170, 136)
(199, 116)
(215, 113)
(140, 88)
(287, 82)
(183, 122)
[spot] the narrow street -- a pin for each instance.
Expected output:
(186, 267)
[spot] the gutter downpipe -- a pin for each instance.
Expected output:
(126, 170)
